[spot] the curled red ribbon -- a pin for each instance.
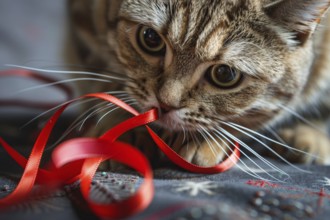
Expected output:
(78, 159)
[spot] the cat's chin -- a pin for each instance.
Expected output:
(170, 122)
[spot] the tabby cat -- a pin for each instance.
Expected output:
(217, 70)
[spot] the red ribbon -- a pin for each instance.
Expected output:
(78, 159)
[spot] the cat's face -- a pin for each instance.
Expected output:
(202, 61)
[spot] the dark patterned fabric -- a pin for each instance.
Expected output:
(182, 195)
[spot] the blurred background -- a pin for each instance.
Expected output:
(32, 34)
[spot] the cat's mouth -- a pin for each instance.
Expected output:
(169, 120)
(172, 120)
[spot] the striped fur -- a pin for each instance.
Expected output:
(284, 59)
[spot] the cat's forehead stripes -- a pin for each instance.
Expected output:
(155, 13)
(185, 21)
(214, 30)
(193, 23)
(188, 21)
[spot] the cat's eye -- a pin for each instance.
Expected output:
(223, 76)
(150, 41)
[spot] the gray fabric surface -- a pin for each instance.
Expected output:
(182, 195)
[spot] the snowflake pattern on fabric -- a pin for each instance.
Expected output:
(195, 188)
(184, 195)
(325, 181)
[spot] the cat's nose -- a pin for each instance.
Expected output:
(164, 108)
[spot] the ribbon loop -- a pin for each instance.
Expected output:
(78, 159)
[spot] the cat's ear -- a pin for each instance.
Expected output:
(299, 16)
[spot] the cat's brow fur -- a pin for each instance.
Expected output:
(279, 46)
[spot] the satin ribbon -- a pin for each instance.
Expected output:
(78, 159)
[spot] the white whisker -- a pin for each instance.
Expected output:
(253, 174)
(194, 139)
(296, 115)
(59, 82)
(76, 123)
(104, 115)
(112, 110)
(265, 145)
(88, 114)
(252, 151)
(184, 134)
(300, 117)
(268, 163)
(95, 112)
(66, 72)
(208, 142)
(53, 109)
(71, 106)
(215, 141)
(80, 124)
(272, 132)
(271, 140)
(117, 93)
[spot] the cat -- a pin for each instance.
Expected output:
(220, 69)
